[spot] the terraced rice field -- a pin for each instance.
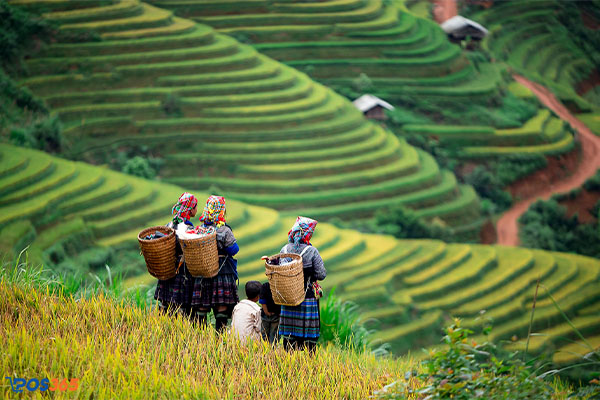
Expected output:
(335, 41)
(402, 54)
(543, 134)
(222, 114)
(411, 286)
(527, 35)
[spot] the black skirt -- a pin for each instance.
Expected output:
(218, 291)
(176, 291)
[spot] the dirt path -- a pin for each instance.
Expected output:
(506, 227)
(444, 9)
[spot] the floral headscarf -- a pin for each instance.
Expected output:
(214, 211)
(302, 231)
(181, 211)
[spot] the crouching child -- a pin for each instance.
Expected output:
(246, 319)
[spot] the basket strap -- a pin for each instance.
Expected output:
(223, 263)
(303, 251)
(287, 249)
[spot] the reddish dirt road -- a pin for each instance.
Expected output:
(506, 227)
(444, 9)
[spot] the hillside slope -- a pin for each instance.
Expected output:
(63, 209)
(223, 115)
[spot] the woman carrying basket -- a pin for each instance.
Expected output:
(300, 325)
(175, 293)
(220, 292)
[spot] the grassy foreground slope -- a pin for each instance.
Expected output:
(221, 114)
(124, 352)
(62, 209)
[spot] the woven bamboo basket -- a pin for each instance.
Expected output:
(201, 255)
(286, 281)
(159, 253)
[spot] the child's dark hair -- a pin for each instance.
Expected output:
(253, 289)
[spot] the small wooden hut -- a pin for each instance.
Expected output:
(372, 107)
(459, 28)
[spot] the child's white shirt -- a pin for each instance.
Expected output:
(246, 320)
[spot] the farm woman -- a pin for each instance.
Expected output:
(299, 326)
(175, 293)
(218, 293)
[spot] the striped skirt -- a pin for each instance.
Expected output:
(177, 291)
(218, 291)
(301, 321)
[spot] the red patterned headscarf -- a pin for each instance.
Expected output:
(302, 231)
(181, 211)
(214, 211)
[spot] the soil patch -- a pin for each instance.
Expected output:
(487, 235)
(558, 168)
(444, 10)
(589, 83)
(581, 205)
(589, 21)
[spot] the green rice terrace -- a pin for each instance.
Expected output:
(534, 39)
(67, 212)
(227, 117)
(546, 42)
(404, 56)
(334, 41)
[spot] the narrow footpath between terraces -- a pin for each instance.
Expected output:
(507, 228)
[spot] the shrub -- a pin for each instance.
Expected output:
(44, 134)
(47, 134)
(404, 224)
(513, 167)
(488, 186)
(593, 183)
(18, 32)
(546, 226)
(139, 166)
(465, 369)
(363, 83)
(171, 105)
(19, 96)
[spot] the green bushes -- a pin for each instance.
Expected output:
(546, 226)
(593, 183)
(403, 223)
(464, 369)
(139, 166)
(489, 186)
(44, 134)
(19, 31)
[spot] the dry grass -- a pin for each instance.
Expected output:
(118, 350)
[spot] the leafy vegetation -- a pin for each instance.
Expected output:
(403, 223)
(139, 166)
(466, 369)
(546, 226)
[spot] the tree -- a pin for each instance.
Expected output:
(139, 166)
